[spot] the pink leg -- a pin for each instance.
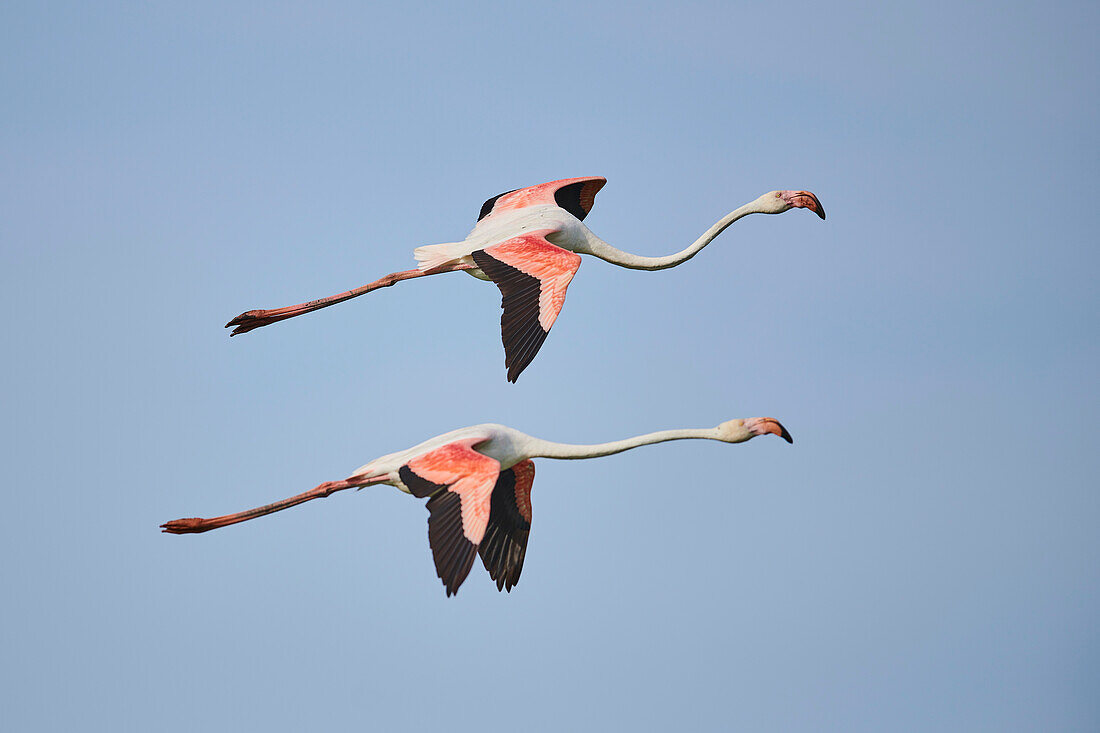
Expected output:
(196, 524)
(250, 320)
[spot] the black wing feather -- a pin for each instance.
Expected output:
(520, 329)
(420, 487)
(487, 207)
(577, 198)
(546, 272)
(452, 552)
(504, 546)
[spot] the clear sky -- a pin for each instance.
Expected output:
(924, 557)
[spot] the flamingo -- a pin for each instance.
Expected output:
(529, 241)
(478, 484)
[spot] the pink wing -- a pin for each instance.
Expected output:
(575, 195)
(532, 275)
(505, 543)
(460, 482)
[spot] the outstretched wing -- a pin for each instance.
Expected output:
(575, 195)
(460, 482)
(505, 543)
(532, 275)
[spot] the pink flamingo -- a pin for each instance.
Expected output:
(478, 484)
(528, 242)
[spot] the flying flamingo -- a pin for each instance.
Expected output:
(528, 242)
(478, 484)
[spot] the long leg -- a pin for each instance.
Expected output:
(197, 524)
(250, 320)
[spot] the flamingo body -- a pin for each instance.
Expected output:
(557, 208)
(528, 242)
(478, 484)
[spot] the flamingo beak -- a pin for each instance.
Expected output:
(765, 425)
(804, 200)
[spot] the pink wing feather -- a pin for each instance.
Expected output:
(533, 276)
(460, 482)
(575, 195)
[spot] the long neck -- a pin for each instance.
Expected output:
(605, 251)
(566, 451)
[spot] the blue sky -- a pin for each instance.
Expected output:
(924, 557)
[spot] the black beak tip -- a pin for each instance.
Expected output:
(785, 435)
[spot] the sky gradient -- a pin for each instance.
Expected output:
(924, 557)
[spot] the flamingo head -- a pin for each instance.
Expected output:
(776, 202)
(738, 431)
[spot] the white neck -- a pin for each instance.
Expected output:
(605, 251)
(566, 451)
